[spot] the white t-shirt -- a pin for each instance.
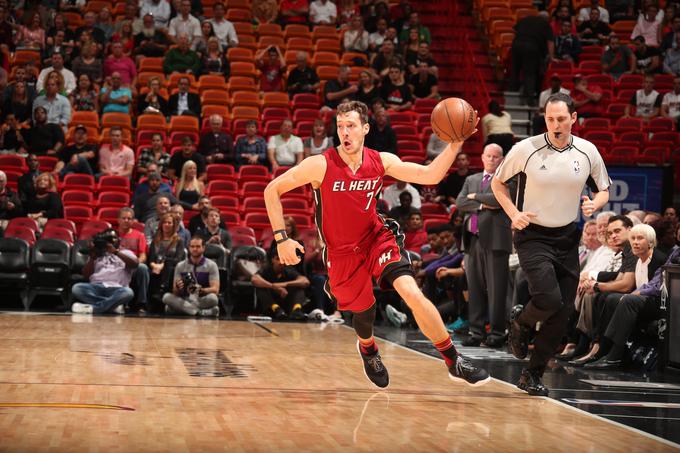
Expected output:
(313, 150)
(225, 32)
(285, 151)
(160, 12)
(645, 103)
(584, 14)
(110, 271)
(318, 12)
(191, 26)
(553, 179)
(672, 100)
(545, 94)
(69, 79)
(392, 192)
(642, 272)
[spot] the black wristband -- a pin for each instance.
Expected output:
(283, 236)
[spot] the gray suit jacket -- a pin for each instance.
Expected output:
(493, 224)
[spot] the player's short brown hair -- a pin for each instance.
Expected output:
(354, 106)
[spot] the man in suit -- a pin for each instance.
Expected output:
(183, 102)
(487, 242)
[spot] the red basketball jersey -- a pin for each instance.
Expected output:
(345, 203)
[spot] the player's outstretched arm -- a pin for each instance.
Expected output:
(421, 174)
(309, 171)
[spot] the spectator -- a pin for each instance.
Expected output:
(584, 13)
(116, 158)
(567, 44)
(374, 13)
(337, 90)
(185, 23)
(31, 35)
(319, 141)
(150, 41)
(105, 22)
(251, 149)
(80, 157)
(158, 9)
(671, 62)
(119, 63)
(189, 189)
(133, 240)
(146, 202)
(647, 59)
(669, 40)
(132, 16)
(224, 29)
(560, 15)
(43, 138)
(669, 13)
(56, 106)
(594, 31)
(213, 231)
(10, 204)
(395, 92)
(646, 101)
(423, 83)
(10, 135)
(323, 12)
(114, 96)
(165, 251)
(423, 55)
(293, 11)
(586, 98)
(199, 220)
(649, 26)
(201, 44)
(20, 76)
(449, 188)
(156, 155)
(6, 30)
(497, 127)
(57, 65)
(533, 42)
(184, 102)
(44, 202)
(202, 273)
(272, 70)
(125, 36)
(214, 60)
(285, 149)
(347, 10)
(153, 101)
(376, 38)
(392, 194)
(182, 58)
(670, 106)
(162, 206)
(187, 153)
(58, 79)
(435, 146)
(216, 145)
(89, 28)
(384, 59)
(58, 48)
(26, 183)
(20, 104)
(88, 63)
(665, 234)
(302, 78)
(414, 23)
(265, 11)
(355, 38)
(280, 289)
(368, 91)
(109, 272)
(555, 87)
(404, 209)
(416, 236)
(617, 59)
(84, 98)
(380, 135)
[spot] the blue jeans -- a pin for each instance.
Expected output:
(100, 297)
(140, 284)
(82, 167)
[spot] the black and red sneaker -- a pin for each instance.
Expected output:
(374, 369)
(465, 371)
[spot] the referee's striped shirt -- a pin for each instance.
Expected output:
(552, 180)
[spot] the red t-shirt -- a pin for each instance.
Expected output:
(589, 107)
(415, 240)
(134, 241)
(294, 4)
(272, 77)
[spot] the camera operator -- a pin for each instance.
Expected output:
(109, 271)
(196, 284)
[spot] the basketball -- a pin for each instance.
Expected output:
(453, 120)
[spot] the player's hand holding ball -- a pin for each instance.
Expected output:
(454, 120)
(288, 252)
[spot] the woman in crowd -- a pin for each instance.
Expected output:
(368, 91)
(410, 48)
(31, 35)
(214, 61)
(44, 203)
(165, 251)
(251, 149)
(497, 127)
(88, 63)
(20, 104)
(319, 141)
(60, 24)
(84, 98)
(125, 37)
(207, 31)
(189, 188)
(153, 100)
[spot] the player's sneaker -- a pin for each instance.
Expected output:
(374, 369)
(531, 383)
(77, 307)
(518, 335)
(464, 370)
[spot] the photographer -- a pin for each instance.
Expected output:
(196, 284)
(109, 271)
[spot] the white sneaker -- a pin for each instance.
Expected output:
(211, 312)
(394, 316)
(120, 309)
(77, 307)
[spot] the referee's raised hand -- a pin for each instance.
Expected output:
(588, 206)
(521, 220)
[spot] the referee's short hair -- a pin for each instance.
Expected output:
(561, 97)
(623, 219)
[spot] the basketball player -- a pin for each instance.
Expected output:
(360, 244)
(554, 168)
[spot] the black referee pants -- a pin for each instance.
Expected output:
(549, 259)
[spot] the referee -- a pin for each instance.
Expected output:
(553, 169)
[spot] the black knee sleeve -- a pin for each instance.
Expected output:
(363, 322)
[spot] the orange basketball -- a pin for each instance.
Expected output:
(453, 120)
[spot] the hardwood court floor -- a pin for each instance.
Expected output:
(144, 384)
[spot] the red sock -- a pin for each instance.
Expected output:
(448, 351)
(368, 346)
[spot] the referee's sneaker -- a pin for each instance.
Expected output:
(553, 170)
